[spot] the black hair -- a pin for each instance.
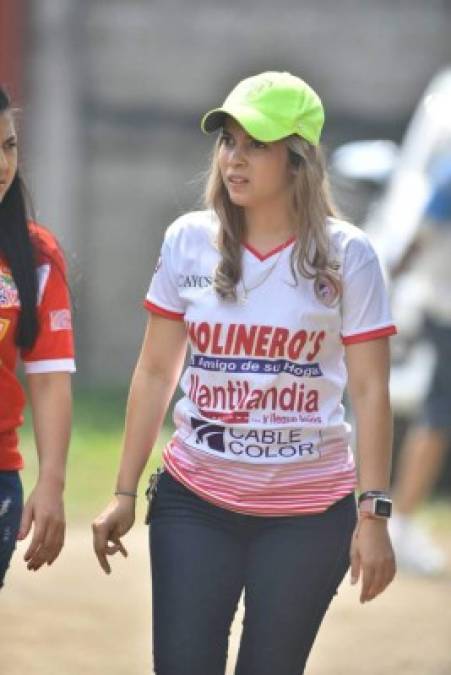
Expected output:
(17, 248)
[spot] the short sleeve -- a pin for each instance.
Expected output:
(163, 297)
(53, 350)
(365, 306)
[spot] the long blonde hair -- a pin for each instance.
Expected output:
(312, 205)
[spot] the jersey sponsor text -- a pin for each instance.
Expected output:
(255, 340)
(239, 395)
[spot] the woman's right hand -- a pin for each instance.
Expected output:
(110, 526)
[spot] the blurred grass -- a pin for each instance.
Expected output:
(94, 453)
(94, 458)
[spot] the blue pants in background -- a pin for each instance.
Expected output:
(11, 502)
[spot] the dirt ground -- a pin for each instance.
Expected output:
(73, 620)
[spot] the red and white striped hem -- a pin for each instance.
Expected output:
(281, 501)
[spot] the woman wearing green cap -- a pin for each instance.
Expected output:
(281, 304)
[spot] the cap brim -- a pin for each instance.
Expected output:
(253, 122)
(213, 120)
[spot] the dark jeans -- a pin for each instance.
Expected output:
(10, 514)
(202, 558)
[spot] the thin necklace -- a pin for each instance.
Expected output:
(267, 273)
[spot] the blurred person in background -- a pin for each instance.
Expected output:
(35, 326)
(423, 450)
(274, 295)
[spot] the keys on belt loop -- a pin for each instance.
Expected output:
(152, 491)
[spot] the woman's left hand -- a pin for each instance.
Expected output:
(372, 557)
(45, 509)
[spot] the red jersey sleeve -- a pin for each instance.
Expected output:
(54, 347)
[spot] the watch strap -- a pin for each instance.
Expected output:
(370, 494)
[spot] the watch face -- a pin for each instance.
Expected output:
(382, 507)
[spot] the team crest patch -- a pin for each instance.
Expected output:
(9, 295)
(60, 319)
(326, 291)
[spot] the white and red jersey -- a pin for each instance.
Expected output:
(261, 426)
(53, 350)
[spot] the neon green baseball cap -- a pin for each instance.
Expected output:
(271, 106)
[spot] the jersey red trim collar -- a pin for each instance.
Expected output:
(265, 256)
